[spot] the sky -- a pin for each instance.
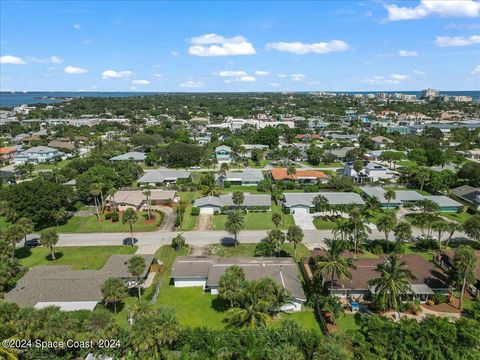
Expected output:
(239, 46)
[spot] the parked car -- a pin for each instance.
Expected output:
(32, 242)
(195, 167)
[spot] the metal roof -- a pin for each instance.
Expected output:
(333, 198)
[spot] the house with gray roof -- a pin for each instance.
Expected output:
(134, 156)
(248, 177)
(212, 204)
(468, 195)
(301, 203)
(38, 154)
(162, 177)
(69, 289)
(206, 271)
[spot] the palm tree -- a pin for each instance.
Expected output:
(136, 267)
(386, 223)
(111, 195)
(209, 185)
(389, 196)
(341, 228)
(464, 263)
(358, 228)
(320, 203)
(439, 227)
(113, 290)
(277, 219)
(403, 231)
(451, 228)
(27, 226)
(332, 305)
(291, 171)
(238, 198)
(59, 215)
(130, 217)
(178, 242)
(276, 237)
(234, 224)
(334, 264)
(394, 281)
(251, 317)
(95, 192)
(49, 238)
(14, 234)
(422, 176)
(148, 195)
(295, 236)
(372, 205)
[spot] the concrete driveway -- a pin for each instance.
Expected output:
(305, 221)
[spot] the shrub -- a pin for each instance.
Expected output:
(439, 298)
(377, 249)
(216, 212)
(115, 217)
(195, 211)
(286, 211)
(264, 248)
(161, 217)
(227, 184)
(177, 221)
(108, 216)
(430, 302)
(427, 244)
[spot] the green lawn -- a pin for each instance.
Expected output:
(347, 322)
(407, 163)
(411, 249)
(325, 165)
(322, 224)
(188, 221)
(242, 250)
(244, 189)
(378, 214)
(458, 217)
(261, 165)
(81, 257)
(90, 224)
(57, 165)
(256, 220)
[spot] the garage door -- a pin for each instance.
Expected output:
(299, 210)
(207, 210)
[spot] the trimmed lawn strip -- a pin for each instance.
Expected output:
(90, 224)
(458, 217)
(346, 322)
(322, 224)
(248, 250)
(81, 257)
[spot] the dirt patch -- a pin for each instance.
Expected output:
(198, 250)
(204, 222)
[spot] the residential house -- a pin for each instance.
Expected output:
(249, 177)
(38, 154)
(134, 156)
(162, 177)
(370, 172)
(250, 147)
(381, 142)
(340, 154)
(205, 272)
(136, 200)
(301, 203)
(410, 197)
(60, 285)
(212, 204)
(468, 195)
(427, 280)
(223, 154)
(300, 176)
(473, 154)
(7, 154)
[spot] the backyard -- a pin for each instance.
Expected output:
(81, 257)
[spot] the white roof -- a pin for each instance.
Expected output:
(68, 305)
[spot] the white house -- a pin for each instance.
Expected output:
(37, 154)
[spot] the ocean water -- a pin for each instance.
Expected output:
(11, 99)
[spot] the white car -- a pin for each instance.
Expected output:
(196, 167)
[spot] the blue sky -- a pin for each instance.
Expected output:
(239, 46)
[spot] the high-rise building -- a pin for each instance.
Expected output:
(430, 94)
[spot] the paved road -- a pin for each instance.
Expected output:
(312, 237)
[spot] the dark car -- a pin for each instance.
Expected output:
(130, 241)
(32, 242)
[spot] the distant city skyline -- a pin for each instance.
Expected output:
(239, 46)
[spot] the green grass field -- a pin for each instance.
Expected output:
(324, 165)
(81, 257)
(90, 224)
(322, 224)
(347, 322)
(249, 250)
(458, 217)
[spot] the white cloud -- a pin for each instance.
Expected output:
(231, 73)
(158, 76)
(302, 48)
(247, 78)
(445, 41)
(444, 8)
(217, 45)
(133, 88)
(297, 77)
(113, 74)
(51, 59)
(140, 82)
(274, 84)
(282, 75)
(391, 79)
(9, 59)
(76, 26)
(407, 53)
(418, 72)
(74, 70)
(262, 73)
(192, 84)
(174, 53)
(476, 70)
